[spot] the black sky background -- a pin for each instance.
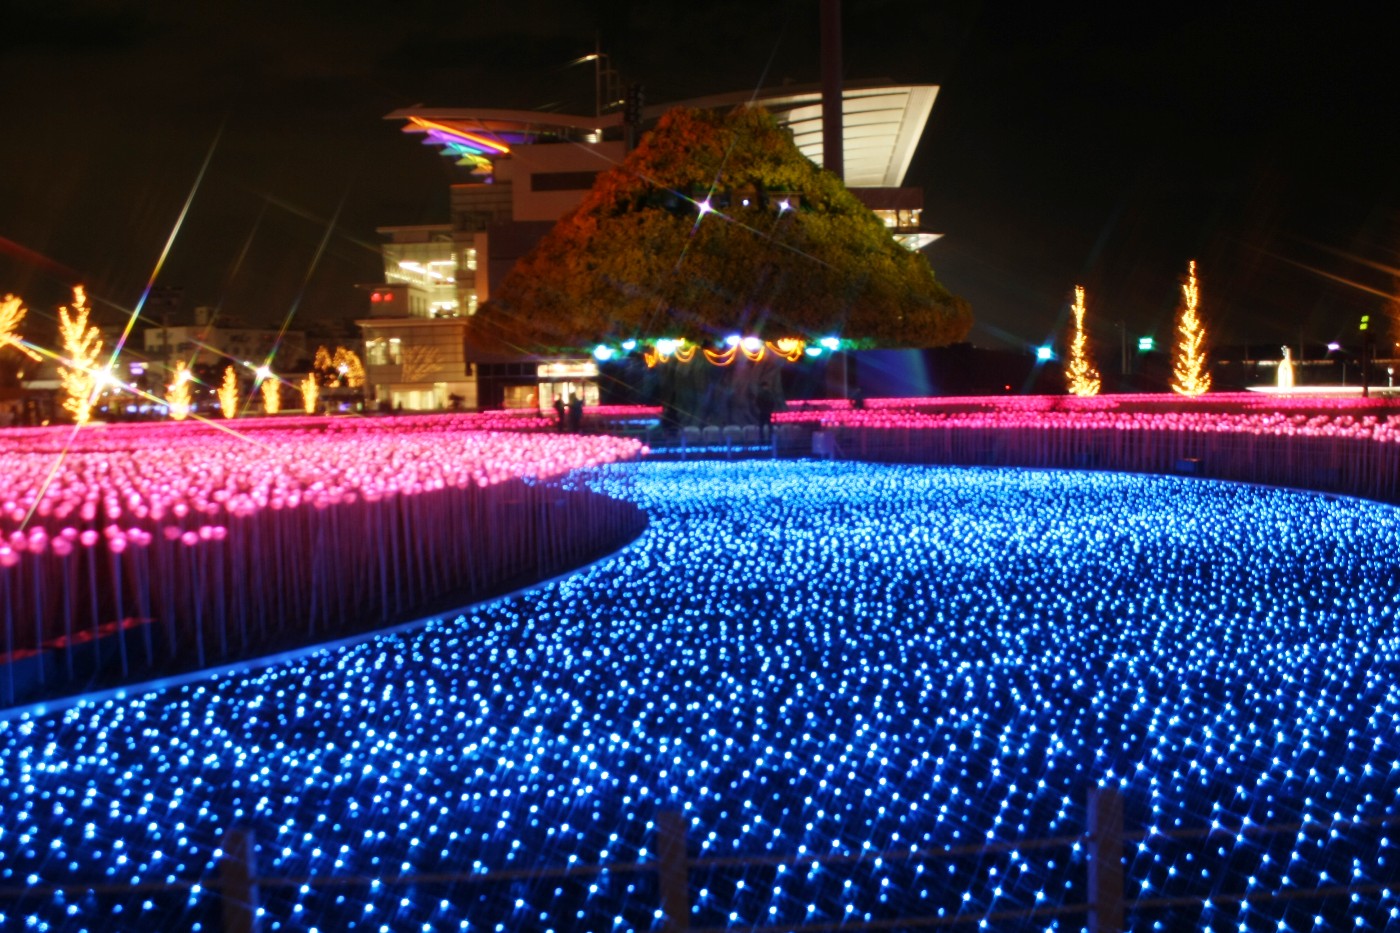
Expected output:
(1103, 145)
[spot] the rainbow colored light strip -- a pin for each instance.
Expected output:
(450, 135)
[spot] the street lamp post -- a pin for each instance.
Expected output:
(1365, 356)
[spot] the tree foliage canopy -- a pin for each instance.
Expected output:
(788, 251)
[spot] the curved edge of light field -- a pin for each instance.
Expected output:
(126, 691)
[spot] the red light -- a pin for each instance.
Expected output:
(388, 296)
(375, 296)
(1007, 388)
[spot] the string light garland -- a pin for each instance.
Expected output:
(722, 357)
(753, 349)
(789, 348)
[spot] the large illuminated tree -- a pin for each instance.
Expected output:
(1189, 373)
(717, 223)
(1081, 377)
(82, 345)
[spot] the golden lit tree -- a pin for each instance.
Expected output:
(309, 391)
(82, 345)
(1080, 375)
(1189, 375)
(228, 393)
(347, 363)
(12, 311)
(177, 395)
(343, 368)
(788, 252)
(271, 395)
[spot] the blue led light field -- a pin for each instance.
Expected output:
(805, 659)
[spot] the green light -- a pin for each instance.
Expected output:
(1146, 344)
(1365, 322)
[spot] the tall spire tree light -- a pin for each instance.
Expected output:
(81, 347)
(228, 393)
(271, 395)
(1081, 377)
(1189, 375)
(309, 393)
(177, 397)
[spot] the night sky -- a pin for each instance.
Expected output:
(1103, 145)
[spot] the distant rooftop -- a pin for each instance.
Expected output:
(882, 125)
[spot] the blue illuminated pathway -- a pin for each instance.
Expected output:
(808, 658)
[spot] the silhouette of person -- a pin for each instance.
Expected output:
(576, 414)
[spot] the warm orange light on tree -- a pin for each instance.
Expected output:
(81, 347)
(1080, 375)
(228, 393)
(1189, 376)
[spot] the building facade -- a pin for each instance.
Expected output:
(206, 343)
(523, 171)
